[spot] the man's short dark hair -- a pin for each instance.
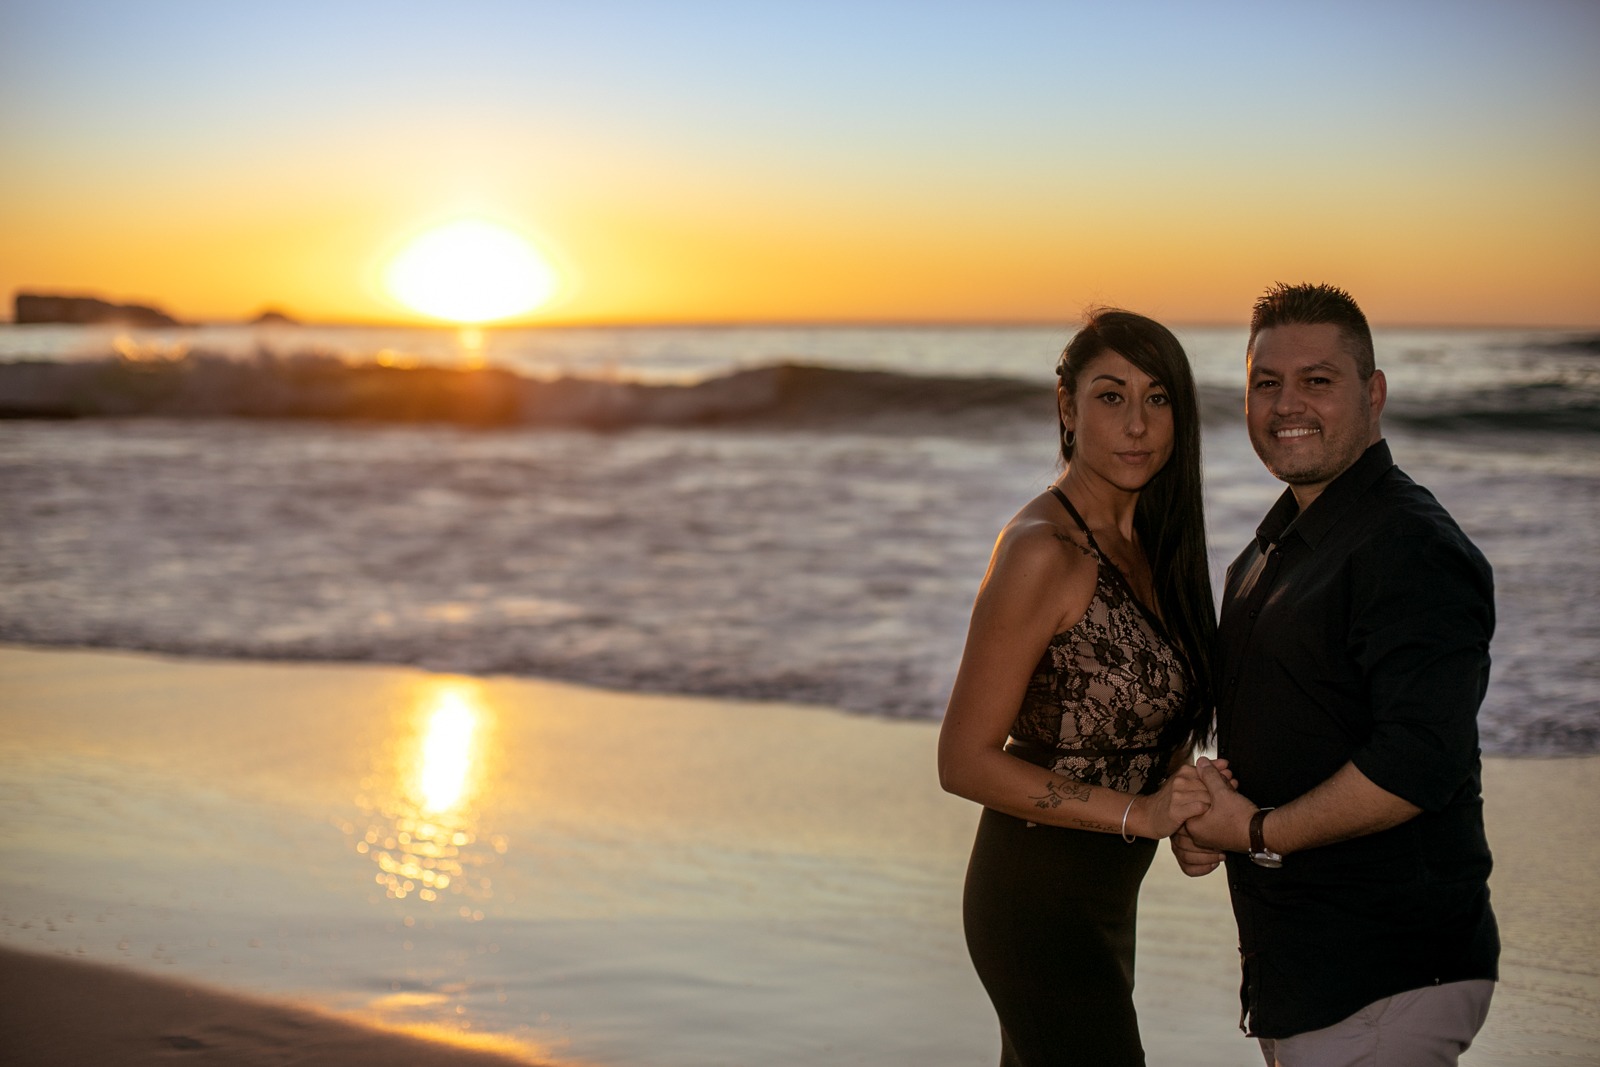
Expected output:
(1312, 305)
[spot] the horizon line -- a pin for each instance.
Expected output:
(884, 323)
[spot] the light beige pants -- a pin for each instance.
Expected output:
(1427, 1027)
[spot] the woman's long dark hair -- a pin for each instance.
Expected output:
(1169, 518)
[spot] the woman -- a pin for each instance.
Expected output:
(1087, 648)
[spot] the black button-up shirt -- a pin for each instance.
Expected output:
(1358, 632)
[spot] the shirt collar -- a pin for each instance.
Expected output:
(1311, 525)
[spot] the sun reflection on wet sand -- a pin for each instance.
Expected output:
(423, 804)
(447, 753)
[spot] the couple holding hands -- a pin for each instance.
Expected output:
(1341, 687)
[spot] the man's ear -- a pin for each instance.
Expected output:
(1377, 393)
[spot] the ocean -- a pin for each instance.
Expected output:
(791, 513)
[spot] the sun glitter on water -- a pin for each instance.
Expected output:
(424, 835)
(447, 753)
(470, 271)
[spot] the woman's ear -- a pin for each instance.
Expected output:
(1065, 407)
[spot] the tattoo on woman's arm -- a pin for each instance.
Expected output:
(1057, 791)
(1103, 827)
(1080, 546)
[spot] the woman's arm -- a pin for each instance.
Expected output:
(1040, 582)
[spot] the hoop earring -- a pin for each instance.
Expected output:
(1068, 438)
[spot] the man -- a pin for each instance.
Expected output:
(1353, 656)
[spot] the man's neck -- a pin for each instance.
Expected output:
(1304, 495)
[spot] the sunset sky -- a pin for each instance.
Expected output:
(706, 162)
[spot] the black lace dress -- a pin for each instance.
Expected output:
(1049, 912)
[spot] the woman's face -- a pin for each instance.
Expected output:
(1122, 419)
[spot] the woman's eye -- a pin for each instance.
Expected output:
(1160, 400)
(1111, 398)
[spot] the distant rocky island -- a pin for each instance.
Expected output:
(86, 311)
(56, 309)
(273, 317)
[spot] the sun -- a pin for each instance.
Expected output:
(470, 271)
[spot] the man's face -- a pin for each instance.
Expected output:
(1310, 414)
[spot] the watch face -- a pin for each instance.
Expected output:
(1266, 859)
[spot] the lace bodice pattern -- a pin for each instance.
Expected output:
(1105, 691)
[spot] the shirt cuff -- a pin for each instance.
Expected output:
(1414, 772)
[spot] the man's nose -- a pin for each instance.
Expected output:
(1289, 401)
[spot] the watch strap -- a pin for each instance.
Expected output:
(1258, 841)
(1260, 854)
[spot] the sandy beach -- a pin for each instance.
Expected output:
(328, 858)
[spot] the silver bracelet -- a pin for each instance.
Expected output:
(1125, 811)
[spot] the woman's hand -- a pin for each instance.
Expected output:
(1222, 768)
(1180, 798)
(1194, 860)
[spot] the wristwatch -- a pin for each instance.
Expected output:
(1260, 854)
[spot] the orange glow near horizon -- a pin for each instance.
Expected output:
(694, 245)
(716, 260)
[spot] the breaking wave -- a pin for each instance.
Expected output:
(323, 387)
(793, 395)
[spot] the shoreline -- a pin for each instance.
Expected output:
(674, 880)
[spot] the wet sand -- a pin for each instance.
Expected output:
(57, 1012)
(607, 879)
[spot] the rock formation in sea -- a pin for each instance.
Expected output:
(273, 317)
(86, 311)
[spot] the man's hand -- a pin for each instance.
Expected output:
(1192, 859)
(1225, 826)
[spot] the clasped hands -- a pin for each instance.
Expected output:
(1222, 825)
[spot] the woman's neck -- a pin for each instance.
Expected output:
(1103, 506)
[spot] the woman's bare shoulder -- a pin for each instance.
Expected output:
(1036, 546)
(1041, 580)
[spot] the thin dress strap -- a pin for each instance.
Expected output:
(1059, 495)
(1121, 579)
